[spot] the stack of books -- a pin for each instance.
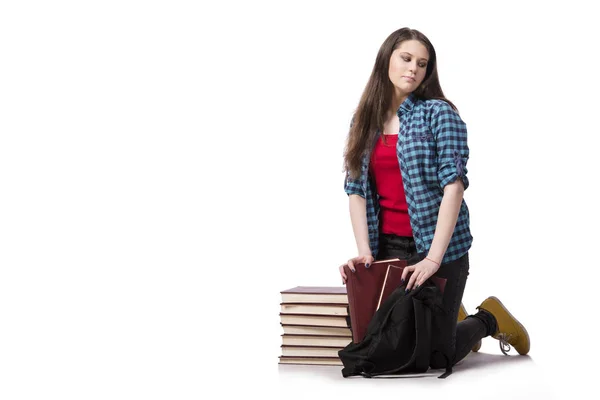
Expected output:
(316, 325)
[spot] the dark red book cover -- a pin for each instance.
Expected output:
(369, 287)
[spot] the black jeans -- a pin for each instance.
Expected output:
(453, 339)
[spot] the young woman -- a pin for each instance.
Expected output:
(405, 163)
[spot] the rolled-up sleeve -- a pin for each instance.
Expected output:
(452, 151)
(354, 186)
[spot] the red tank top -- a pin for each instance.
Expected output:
(384, 168)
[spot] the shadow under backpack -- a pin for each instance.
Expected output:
(399, 336)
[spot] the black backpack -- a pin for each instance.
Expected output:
(398, 338)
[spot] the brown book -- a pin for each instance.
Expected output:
(313, 340)
(310, 351)
(310, 360)
(393, 279)
(316, 330)
(315, 294)
(316, 309)
(366, 291)
(315, 320)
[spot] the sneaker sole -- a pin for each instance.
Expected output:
(521, 327)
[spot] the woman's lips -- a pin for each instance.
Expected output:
(408, 78)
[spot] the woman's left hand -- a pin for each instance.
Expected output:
(421, 271)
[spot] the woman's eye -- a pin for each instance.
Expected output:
(420, 65)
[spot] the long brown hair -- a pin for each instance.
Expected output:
(377, 96)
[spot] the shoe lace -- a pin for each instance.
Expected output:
(504, 344)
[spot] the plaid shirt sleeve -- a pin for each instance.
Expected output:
(450, 134)
(354, 186)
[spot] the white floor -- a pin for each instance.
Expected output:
(480, 375)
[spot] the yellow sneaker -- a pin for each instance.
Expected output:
(462, 314)
(510, 331)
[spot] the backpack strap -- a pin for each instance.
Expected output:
(422, 351)
(423, 327)
(448, 366)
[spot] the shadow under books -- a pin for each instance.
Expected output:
(474, 361)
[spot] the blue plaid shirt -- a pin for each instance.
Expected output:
(432, 152)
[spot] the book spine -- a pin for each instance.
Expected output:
(352, 305)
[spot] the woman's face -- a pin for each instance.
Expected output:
(408, 65)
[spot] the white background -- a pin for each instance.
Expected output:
(167, 168)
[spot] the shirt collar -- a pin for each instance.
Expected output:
(407, 104)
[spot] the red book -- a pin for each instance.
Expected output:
(369, 287)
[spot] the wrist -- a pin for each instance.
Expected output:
(364, 251)
(434, 261)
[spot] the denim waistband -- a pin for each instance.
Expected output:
(395, 238)
(403, 247)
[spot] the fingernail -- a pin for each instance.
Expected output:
(417, 287)
(367, 265)
(402, 280)
(406, 290)
(353, 270)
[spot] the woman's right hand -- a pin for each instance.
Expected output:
(366, 258)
